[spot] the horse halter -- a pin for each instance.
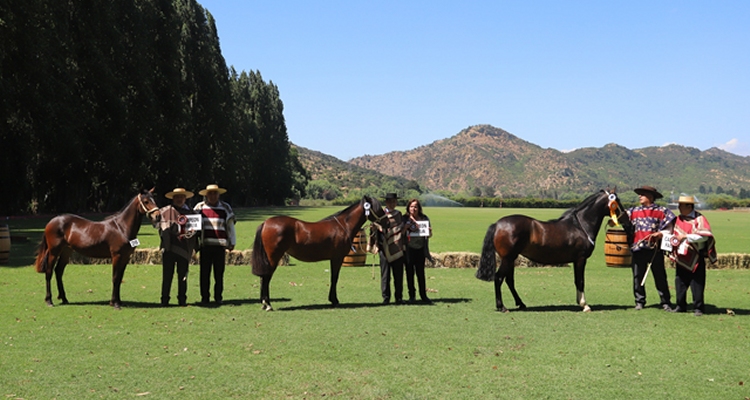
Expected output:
(145, 210)
(367, 206)
(614, 207)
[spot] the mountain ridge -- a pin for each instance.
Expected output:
(491, 160)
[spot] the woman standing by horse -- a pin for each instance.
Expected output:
(114, 237)
(570, 238)
(417, 249)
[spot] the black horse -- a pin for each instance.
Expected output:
(570, 238)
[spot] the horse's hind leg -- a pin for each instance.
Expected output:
(499, 293)
(499, 278)
(52, 260)
(48, 282)
(511, 282)
(265, 298)
(62, 262)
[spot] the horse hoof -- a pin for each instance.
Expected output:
(266, 307)
(49, 304)
(503, 310)
(521, 306)
(586, 309)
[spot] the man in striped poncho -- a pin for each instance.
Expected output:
(217, 237)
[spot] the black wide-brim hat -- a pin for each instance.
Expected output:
(645, 189)
(389, 196)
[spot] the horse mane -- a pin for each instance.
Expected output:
(585, 203)
(347, 209)
(122, 210)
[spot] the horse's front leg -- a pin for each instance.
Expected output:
(335, 270)
(119, 262)
(579, 269)
(265, 298)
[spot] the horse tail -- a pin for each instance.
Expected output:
(41, 256)
(486, 271)
(261, 265)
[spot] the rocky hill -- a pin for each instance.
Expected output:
(345, 175)
(490, 158)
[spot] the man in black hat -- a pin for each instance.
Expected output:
(391, 251)
(649, 220)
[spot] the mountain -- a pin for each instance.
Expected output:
(483, 156)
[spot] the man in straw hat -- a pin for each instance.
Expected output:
(649, 221)
(217, 237)
(696, 242)
(176, 244)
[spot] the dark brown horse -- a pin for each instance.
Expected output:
(328, 239)
(570, 238)
(110, 238)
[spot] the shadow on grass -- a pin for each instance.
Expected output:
(328, 306)
(145, 305)
(709, 309)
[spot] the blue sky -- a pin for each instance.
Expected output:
(370, 77)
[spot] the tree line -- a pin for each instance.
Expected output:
(101, 99)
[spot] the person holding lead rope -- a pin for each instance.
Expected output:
(650, 222)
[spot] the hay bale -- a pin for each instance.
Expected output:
(152, 256)
(731, 261)
(453, 260)
(471, 260)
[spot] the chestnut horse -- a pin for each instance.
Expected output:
(570, 238)
(328, 239)
(111, 238)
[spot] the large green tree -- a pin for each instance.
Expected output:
(99, 99)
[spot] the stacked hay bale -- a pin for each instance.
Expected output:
(456, 259)
(471, 260)
(153, 257)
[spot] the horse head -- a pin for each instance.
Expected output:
(147, 205)
(373, 209)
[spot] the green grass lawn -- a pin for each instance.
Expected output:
(459, 347)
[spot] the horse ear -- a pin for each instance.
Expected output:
(152, 190)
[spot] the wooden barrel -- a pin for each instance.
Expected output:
(616, 250)
(358, 256)
(4, 244)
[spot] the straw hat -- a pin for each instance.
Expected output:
(649, 190)
(179, 191)
(686, 200)
(212, 188)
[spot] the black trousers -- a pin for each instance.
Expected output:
(415, 260)
(212, 258)
(641, 259)
(395, 268)
(169, 261)
(697, 283)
